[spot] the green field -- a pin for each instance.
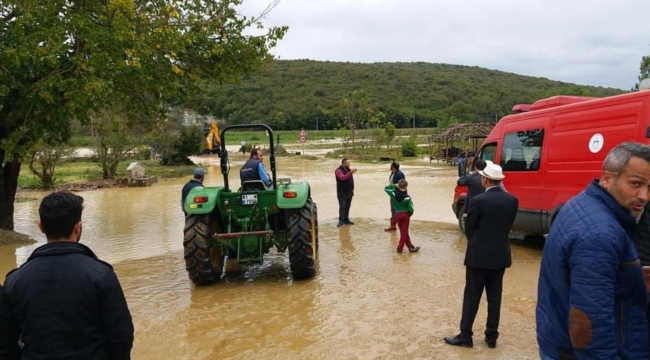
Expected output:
(234, 137)
(79, 170)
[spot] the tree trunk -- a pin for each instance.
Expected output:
(9, 172)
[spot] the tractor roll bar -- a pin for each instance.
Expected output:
(224, 152)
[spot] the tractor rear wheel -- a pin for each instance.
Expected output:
(204, 264)
(302, 230)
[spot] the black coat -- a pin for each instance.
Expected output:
(642, 237)
(396, 176)
(474, 186)
(489, 219)
(64, 303)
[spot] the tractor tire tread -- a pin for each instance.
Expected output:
(196, 245)
(301, 254)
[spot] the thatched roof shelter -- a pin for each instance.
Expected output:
(467, 134)
(464, 131)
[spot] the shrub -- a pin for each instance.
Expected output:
(410, 147)
(144, 154)
(190, 141)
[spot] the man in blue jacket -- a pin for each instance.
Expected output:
(591, 294)
(253, 170)
(64, 303)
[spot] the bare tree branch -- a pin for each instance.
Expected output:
(268, 9)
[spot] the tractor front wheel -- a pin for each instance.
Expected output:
(204, 264)
(302, 231)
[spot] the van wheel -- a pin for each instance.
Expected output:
(461, 218)
(535, 239)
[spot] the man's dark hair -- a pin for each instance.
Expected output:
(394, 165)
(59, 213)
(617, 158)
(480, 164)
(255, 151)
(344, 160)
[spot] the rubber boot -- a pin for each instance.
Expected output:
(393, 222)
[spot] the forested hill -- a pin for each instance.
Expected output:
(290, 94)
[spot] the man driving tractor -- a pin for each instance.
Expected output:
(254, 170)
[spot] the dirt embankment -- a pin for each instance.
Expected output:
(11, 237)
(77, 186)
(92, 185)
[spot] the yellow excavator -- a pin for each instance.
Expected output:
(212, 139)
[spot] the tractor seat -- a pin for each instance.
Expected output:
(253, 185)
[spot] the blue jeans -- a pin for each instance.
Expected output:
(542, 356)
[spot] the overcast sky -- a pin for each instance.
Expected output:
(591, 42)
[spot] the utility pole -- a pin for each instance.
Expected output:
(317, 123)
(414, 121)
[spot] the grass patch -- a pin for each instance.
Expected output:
(292, 137)
(258, 137)
(83, 141)
(79, 171)
(369, 155)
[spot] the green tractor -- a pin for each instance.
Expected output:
(245, 224)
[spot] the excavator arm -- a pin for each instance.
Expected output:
(213, 139)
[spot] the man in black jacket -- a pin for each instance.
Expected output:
(473, 181)
(196, 181)
(489, 219)
(344, 191)
(64, 303)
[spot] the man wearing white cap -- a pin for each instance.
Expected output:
(489, 219)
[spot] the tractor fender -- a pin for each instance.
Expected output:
(292, 196)
(202, 200)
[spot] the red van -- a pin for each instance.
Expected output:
(551, 150)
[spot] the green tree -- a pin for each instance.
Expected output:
(389, 133)
(43, 158)
(114, 140)
(644, 69)
(188, 143)
(61, 59)
(447, 120)
(358, 113)
(279, 120)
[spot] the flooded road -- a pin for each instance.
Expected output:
(366, 302)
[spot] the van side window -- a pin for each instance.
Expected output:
(522, 150)
(487, 152)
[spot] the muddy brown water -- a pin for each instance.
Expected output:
(366, 302)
